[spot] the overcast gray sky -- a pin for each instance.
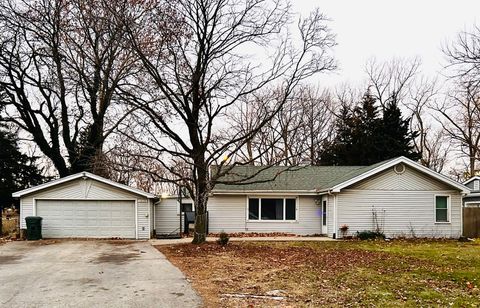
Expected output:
(385, 29)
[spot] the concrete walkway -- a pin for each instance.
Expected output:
(90, 274)
(185, 240)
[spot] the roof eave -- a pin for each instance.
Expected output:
(263, 191)
(462, 188)
(84, 174)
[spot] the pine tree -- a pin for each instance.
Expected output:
(17, 170)
(397, 136)
(364, 136)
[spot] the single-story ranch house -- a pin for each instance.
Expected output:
(400, 197)
(473, 198)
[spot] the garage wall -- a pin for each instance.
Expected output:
(88, 189)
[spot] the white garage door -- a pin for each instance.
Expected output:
(81, 218)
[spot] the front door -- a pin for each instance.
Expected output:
(324, 214)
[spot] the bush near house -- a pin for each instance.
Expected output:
(370, 235)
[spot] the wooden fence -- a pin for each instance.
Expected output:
(471, 221)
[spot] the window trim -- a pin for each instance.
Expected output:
(449, 209)
(284, 220)
(476, 185)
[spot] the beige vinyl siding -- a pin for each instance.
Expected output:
(404, 204)
(229, 214)
(167, 217)
(88, 189)
(411, 179)
(400, 213)
(143, 219)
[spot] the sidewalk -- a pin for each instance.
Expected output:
(185, 240)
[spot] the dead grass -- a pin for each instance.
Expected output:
(9, 226)
(333, 273)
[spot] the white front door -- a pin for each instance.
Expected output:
(324, 214)
(87, 218)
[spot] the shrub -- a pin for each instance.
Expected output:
(223, 238)
(370, 235)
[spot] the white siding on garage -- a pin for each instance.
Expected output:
(143, 219)
(228, 213)
(404, 204)
(88, 189)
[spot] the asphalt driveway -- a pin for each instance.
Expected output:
(90, 274)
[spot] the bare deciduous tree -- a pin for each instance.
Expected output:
(222, 53)
(391, 81)
(295, 135)
(459, 116)
(61, 64)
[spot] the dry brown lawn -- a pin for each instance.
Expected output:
(308, 274)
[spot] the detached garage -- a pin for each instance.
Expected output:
(85, 205)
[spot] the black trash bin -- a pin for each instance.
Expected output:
(34, 228)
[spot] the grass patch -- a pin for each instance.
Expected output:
(398, 273)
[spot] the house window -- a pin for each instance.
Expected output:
(476, 185)
(324, 212)
(442, 208)
(253, 209)
(272, 209)
(187, 207)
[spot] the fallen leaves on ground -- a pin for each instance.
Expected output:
(320, 273)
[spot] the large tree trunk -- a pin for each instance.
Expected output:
(200, 233)
(201, 199)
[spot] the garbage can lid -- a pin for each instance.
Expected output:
(33, 218)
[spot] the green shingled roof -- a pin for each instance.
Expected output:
(302, 178)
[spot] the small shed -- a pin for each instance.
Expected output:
(85, 205)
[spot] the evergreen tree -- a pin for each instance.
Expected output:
(17, 170)
(397, 136)
(364, 136)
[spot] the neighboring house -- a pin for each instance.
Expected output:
(398, 196)
(471, 211)
(87, 205)
(473, 198)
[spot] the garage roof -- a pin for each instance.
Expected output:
(85, 175)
